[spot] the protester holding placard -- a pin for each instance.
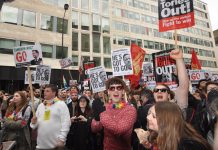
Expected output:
(52, 121)
(118, 119)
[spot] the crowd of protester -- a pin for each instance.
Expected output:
(141, 119)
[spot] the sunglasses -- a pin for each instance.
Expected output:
(160, 90)
(119, 88)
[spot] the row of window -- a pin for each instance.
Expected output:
(199, 5)
(28, 19)
(99, 24)
(139, 4)
(159, 45)
(116, 25)
(201, 14)
(202, 23)
(197, 31)
(96, 43)
(49, 51)
(98, 6)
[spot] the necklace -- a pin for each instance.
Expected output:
(119, 105)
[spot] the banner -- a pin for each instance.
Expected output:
(121, 62)
(165, 69)
(43, 74)
(98, 78)
(138, 55)
(88, 65)
(66, 62)
(175, 14)
(195, 64)
(30, 54)
(147, 69)
(197, 75)
(33, 77)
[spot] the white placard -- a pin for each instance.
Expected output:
(30, 54)
(121, 60)
(43, 74)
(66, 62)
(196, 75)
(33, 77)
(98, 78)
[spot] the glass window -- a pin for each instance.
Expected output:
(150, 44)
(105, 8)
(86, 58)
(106, 45)
(96, 43)
(75, 3)
(97, 61)
(105, 25)
(161, 46)
(96, 23)
(75, 19)
(61, 53)
(24, 43)
(75, 60)
(9, 14)
(145, 44)
(85, 4)
(95, 6)
(47, 50)
(59, 25)
(75, 41)
(107, 62)
(47, 22)
(6, 46)
(120, 40)
(156, 46)
(127, 41)
(139, 42)
(85, 43)
(29, 19)
(85, 22)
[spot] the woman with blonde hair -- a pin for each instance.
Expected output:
(167, 130)
(15, 123)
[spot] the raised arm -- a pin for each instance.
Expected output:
(181, 93)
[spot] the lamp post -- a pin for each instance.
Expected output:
(66, 6)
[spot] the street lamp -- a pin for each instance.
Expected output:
(66, 6)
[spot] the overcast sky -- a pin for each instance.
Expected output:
(213, 11)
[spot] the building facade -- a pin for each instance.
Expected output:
(92, 29)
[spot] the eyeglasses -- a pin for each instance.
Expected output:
(119, 88)
(160, 90)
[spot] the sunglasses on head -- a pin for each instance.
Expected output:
(119, 88)
(160, 90)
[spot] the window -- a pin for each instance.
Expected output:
(59, 25)
(105, 8)
(156, 46)
(9, 14)
(47, 22)
(107, 62)
(85, 4)
(75, 60)
(96, 43)
(24, 43)
(145, 44)
(105, 25)
(75, 41)
(97, 61)
(96, 23)
(150, 44)
(120, 40)
(86, 58)
(29, 19)
(61, 53)
(6, 46)
(75, 19)
(85, 43)
(95, 6)
(106, 45)
(139, 42)
(75, 3)
(127, 41)
(47, 50)
(85, 22)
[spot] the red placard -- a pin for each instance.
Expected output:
(175, 14)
